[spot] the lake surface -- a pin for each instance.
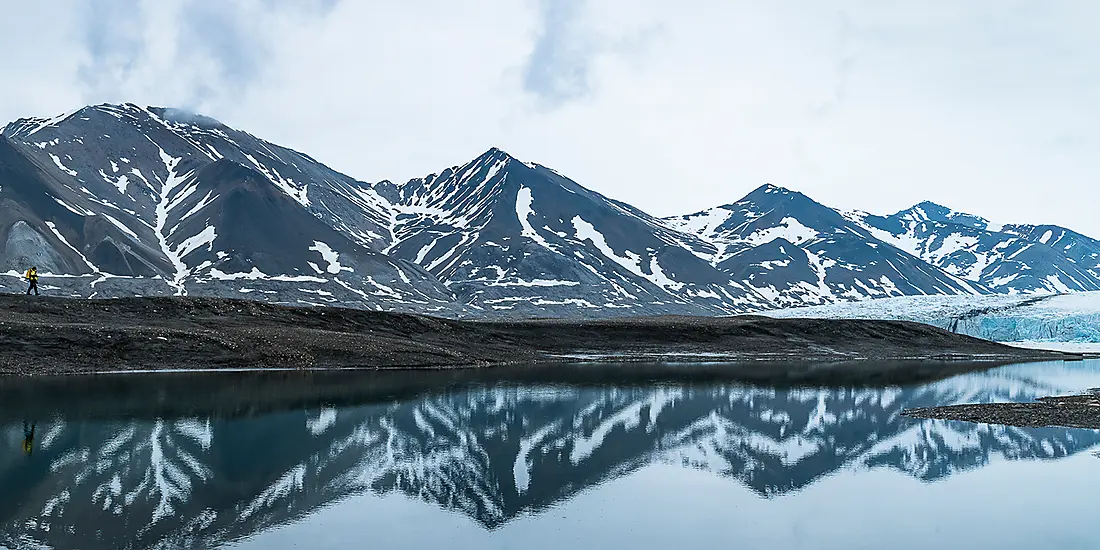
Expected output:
(456, 460)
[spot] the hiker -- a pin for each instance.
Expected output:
(32, 278)
(28, 437)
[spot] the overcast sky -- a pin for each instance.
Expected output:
(988, 106)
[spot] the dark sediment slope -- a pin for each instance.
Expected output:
(60, 335)
(1075, 411)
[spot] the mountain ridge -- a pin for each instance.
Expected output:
(122, 200)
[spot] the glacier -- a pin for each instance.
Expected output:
(1031, 320)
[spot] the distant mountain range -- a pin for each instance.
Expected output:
(114, 200)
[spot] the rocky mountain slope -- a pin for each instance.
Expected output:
(119, 200)
(173, 203)
(503, 234)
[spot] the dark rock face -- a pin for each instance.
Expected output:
(159, 201)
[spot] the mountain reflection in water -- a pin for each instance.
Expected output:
(181, 461)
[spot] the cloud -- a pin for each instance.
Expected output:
(1068, 141)
(671, 107)
(557, 70)
(206, 49)
(217, 34)
(845, 58)
(560, 65)
(113, 37)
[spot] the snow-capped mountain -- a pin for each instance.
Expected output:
(124, 191)
(796, 251)
(491, 453)
(503, 234)
(114, 200)
(1003, 258)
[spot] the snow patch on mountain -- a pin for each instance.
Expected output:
(524, 200)
(702, 224)
(119, 182)
(204, 238)
(330, 256)
(62, 167)
(163, 208)
(789, 229)
(632, 262)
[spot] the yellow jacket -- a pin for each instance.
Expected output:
(32, 275)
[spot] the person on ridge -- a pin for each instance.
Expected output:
(32, 278)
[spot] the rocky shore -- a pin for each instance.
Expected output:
(1074, 411)
(45, 335)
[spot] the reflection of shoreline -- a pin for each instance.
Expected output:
(491, 453)
(246, 392)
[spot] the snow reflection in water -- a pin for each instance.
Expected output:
(265, 461)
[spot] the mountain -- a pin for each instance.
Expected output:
(150, 200)
(492, 453)
(502, 234)
(796, 251)
(189, 205)
(118, 200)
(1002, 258)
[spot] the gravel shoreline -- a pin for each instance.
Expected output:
(49, 335)
(1075, 411)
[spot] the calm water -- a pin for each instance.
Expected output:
(447, 461)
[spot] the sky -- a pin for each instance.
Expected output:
(985, 106)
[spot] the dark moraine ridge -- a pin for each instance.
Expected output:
(49, 335)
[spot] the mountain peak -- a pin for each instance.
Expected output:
(170, 114)
(183, 116)
(769, 195)
(768, 188)
(930, 211)
(25, 127)
(495, 153)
